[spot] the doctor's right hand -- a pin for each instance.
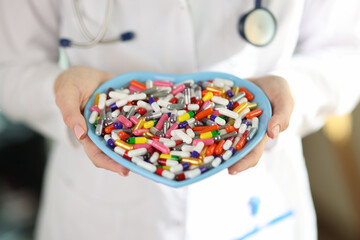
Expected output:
(73, 88)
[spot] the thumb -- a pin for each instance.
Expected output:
(69, 102)
(282, 109)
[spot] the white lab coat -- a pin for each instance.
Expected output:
(316, 49)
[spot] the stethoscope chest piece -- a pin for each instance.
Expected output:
(258, 27)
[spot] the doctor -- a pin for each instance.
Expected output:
(311, 58)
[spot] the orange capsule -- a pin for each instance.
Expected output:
(199, 128)
(254, 113)
(203, 93)
(248, 94)
(138, 84)
(220, 147)
(241, 143)
(123, 135)
(211, 128)
(203, 114)
(210, 151)
(109, 128)
(230, 128)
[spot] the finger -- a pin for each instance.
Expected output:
(68, 100)
(100, 159)
(282, 109)
(250, 160)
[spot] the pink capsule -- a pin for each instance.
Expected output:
(161, 121)
(95, 108)
(141, 145)
(178, 89)
(134, 89)
(207, 142)
(139, 132)
(173, 127)
(125, 121)
(161, 147)
(134, 120)
(163, 84)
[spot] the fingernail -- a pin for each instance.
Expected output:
(124, 174)
(275, 131)
(233, 173)
(79, 131)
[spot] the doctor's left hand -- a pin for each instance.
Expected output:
(278, 91)
(73, 89)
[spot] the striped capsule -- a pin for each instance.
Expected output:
(191, 173)
(136, 140)
(186, 116)
(198, 148)
(170, 157)
(217, 120)
(210, 134)
(165, 173)
(180, 167)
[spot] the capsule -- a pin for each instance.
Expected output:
(170, 157)
(217, 120)
(137, 152)
(123, 145)
(145, 165)
(248, 94)
(180, 167)
(220, 100)
(165, 173)
(167, 162)
(122, 152)
(190, 173)
(192, 161)
(254, 113)
(210, 134)
(155, 106)
(186, 116)
(109, 140)
(150, 124)
(137, 140)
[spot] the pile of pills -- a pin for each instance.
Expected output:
(176, 131)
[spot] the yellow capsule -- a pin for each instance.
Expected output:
(149, 124)
(206, 135)
(165, 156)
(186, 116)
(252, 105)
(192, 161)
(148, 135)
(96, 102)
(208, 96)
(215, 89)
(241, 107)
(124, 145)
(235, 90)
(166, 167)
(231, 122)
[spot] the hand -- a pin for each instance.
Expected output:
(73, 89)
(282, 102)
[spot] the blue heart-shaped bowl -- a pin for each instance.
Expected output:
(119, 81)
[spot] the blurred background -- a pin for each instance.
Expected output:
(332, 157)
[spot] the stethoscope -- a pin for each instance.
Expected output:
(257, 27)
